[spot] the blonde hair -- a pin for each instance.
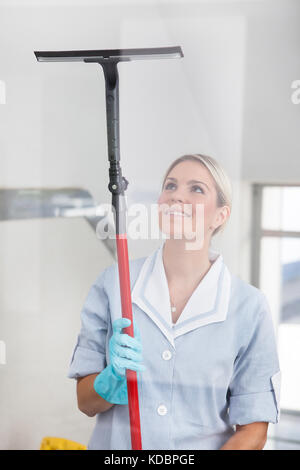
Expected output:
(221, 180)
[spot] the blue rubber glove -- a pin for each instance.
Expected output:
(125, 352)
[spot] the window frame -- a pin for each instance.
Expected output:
(258, 232)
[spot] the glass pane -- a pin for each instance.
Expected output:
(280, 281)
(289, 328)
(291, 208)
(271, 208)
(270, 274)
(290, 284)
(289, 354)
(281, 208)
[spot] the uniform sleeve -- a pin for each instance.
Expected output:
(89, 355)
(254, 390)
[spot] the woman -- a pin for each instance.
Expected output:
(204, 346)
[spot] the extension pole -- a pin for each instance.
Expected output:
(109, 59)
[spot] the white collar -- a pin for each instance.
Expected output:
(207, 304)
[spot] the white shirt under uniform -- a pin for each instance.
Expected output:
(216, 367)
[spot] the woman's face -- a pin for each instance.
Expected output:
(188, 203)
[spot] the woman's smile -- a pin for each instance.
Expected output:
(176, 212)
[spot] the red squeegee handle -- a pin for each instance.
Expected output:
(132, 384)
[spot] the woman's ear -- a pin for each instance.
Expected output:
(222, 215)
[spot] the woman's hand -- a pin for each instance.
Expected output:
(125, 352)
(97, 393)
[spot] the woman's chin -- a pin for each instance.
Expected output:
(178, 235)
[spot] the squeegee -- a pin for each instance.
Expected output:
(109, 59)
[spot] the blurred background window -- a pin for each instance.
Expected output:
(276, 271)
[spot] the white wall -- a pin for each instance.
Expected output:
(270, 139)
(271, 143)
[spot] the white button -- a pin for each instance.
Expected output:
(167, 355)
(162, 410)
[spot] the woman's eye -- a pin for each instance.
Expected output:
(194, 188)
(168, 185)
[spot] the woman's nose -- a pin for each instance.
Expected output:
(178, 196)
(177, 199)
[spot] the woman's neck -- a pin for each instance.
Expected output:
(186, 266)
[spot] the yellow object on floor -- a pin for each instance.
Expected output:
(59, 443)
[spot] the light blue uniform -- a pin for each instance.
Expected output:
(215, 368)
